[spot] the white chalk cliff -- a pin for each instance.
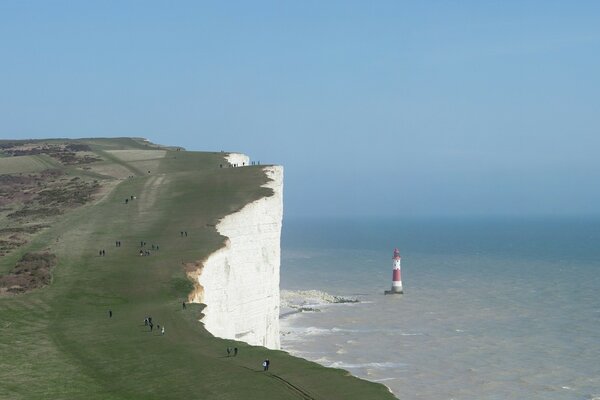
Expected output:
(240, 282)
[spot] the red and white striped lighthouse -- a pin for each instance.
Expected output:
(396, 274)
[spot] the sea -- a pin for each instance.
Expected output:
(493, 308)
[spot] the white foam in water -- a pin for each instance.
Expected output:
(300, 298)
(379, 365)
(383, 379)
(311, 330)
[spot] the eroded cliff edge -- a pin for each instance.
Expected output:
(239, 283)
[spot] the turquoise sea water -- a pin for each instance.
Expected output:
(493, 308)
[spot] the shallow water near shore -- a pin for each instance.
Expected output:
(492, 309)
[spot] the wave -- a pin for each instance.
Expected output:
(313, 330)
(383, 379)
(378, 365)
(311, 299)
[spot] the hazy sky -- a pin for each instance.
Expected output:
(385, 108)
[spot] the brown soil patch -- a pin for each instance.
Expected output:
(193, 271)
(32, 271)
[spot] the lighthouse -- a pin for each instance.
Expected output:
(396, 274)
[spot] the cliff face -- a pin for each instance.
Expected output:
(240, 282)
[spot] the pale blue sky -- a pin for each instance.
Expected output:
(374, 108)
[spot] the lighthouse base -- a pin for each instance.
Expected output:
(394, 291)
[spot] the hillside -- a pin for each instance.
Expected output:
(64, 201)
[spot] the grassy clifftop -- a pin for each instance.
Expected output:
(64, 200)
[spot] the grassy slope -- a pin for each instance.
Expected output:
(58, 342)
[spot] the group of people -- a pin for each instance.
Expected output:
(265, 364)
(238, 165)
(143, 252)
(146, 252)
(130, 198)
(148, 322)
(230, 350)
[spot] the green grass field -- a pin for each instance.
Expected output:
(58, 342)
(25, 164)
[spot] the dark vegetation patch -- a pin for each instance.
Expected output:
(35, 212)
(16, 236)
(32, 271)
(29, 201)
(22, 188)
(43, 194)
(74, 193)
(24, 229)
(10, 243)
(78, 147)
(67, 154)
